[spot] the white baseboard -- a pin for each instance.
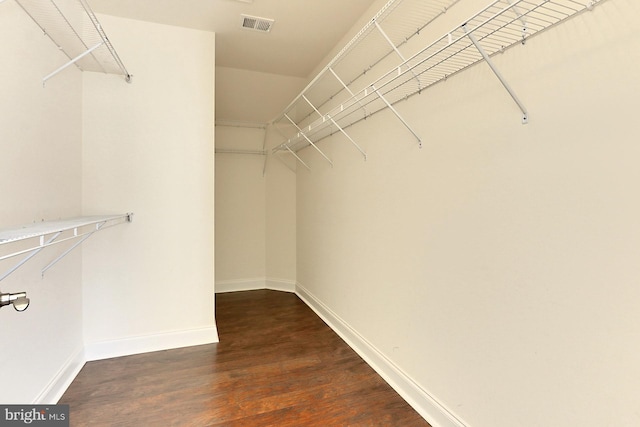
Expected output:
(239, 285)
(280, 285)
(62, 380)
(149, 343)
(427, 406)
(255, 284)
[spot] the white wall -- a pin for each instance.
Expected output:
(255, 204)
(148, 148)
(240, 207)
(255, 213)
(252, 96)
(498, 266)
(40, 173)
(280, 215)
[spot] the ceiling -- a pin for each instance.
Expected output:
(304, 32)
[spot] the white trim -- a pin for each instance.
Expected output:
(255, 284)
(425, 404)
(280, 285)
(148, 343)
(62, 380)
(238, 285)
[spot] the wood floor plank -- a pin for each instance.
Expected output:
(277, 364)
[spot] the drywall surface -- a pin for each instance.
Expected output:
(255, 196)
(148, 148)
(280, 172)
(240, 205)
(497, 266)
(252, 96)
(255, 210)
(40, 179)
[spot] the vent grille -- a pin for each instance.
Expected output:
(257, 24)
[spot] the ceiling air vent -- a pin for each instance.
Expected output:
(257, 24)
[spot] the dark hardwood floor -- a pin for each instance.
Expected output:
(277, 364)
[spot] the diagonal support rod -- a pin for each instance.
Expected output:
(73, 61)
(525, 115)
(348, 137)
(297, 157)
(32, 254)
(521, 17)
(285, 164)
(314, 107)
(336, 125)
(393, 46)
(308, 140)
(75, 245)
(397, 115)
(282, 147)
(348, 90)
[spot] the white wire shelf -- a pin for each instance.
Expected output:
(326, 107)
(74, 28)
(40, 235)
(37, 229)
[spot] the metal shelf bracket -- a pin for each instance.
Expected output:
(521, 18)
(55, 229)
(75, 30)
(98, 227)
(348, 137)
(308, 140)
(359, 94)
(525, 114)
(397, 51)
(328, 117)
(397, 115)
(73, 61)
(298, 158)
(348, 90)
(35, 252)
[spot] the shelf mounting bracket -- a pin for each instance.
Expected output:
(313, 106)
(33, 253)
(388, 104)
(284, 146)
(75, 245)
(336, 125)
(521, 17)
(297, 157)
(54, 229)
(394, 47)
(348, 90)
(308, 140)
(525, 114)
(348, 137)
(73, 61)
